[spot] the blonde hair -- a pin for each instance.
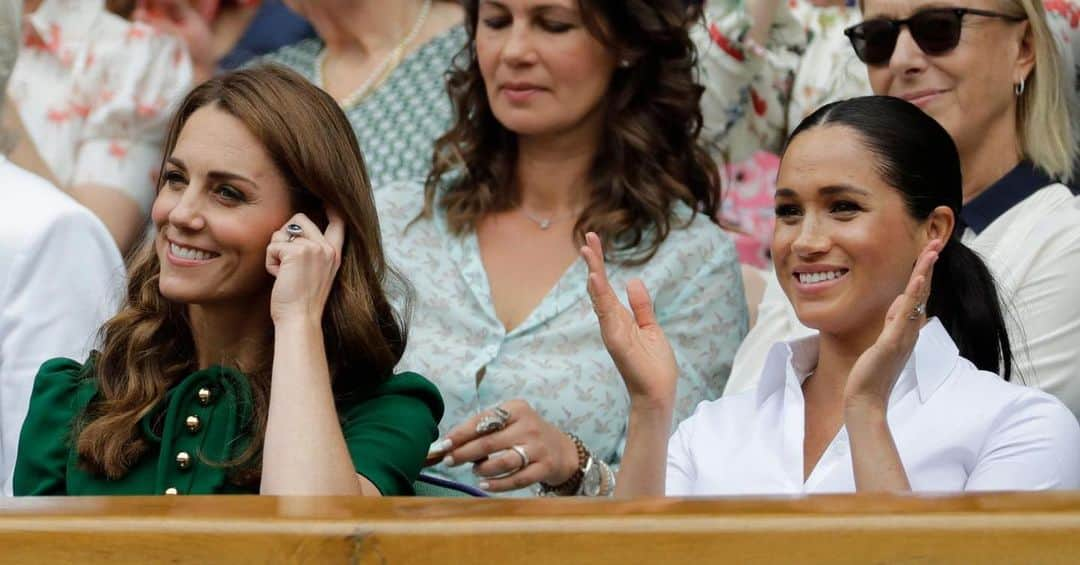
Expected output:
(1046, 139)
(1045, 122)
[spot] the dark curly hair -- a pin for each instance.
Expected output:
(649, 157)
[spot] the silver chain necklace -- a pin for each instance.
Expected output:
(545, 223)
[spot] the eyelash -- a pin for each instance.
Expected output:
(844, 207)
(548, 26)
(225, 191)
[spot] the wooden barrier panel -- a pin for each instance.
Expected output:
(993, 528)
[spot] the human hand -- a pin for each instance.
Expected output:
(304, 267)
(180, 18)
(550, 456)
(636, 342)
(876, 370)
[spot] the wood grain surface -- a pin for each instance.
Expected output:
(992, 528)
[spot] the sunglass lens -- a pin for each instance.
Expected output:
(874, 41)
(936, 31)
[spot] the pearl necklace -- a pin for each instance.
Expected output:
(384, 68)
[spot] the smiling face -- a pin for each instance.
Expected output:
(220, 200)
(543, 71)
(968, 90)
(844, 243)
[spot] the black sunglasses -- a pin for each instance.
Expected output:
(936, 31)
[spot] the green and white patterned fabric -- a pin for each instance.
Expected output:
(398, 123)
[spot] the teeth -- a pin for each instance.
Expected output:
(189, 253)
(811, 278)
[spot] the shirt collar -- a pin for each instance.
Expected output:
(1018, 184)
(75, 18)
(933, 360)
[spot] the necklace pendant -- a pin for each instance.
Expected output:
(545, 224)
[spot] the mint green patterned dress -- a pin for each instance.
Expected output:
(398, 123)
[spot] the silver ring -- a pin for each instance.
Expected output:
(294, 231)
(917, 311)
(493, 422)
(520, 450)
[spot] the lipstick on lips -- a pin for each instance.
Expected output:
(519, 91)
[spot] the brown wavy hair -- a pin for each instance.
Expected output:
(148, 347)
(649, 158)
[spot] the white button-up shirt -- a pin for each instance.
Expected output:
(956, 428)
(1033, 250)
(60, 277)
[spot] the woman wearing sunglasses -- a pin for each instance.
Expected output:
(895, 390)
(991, 74)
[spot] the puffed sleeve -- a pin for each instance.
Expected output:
(389, 431)
(60, 394)
(1034, 445)
(133, 87)
(746, 92)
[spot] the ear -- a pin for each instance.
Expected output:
(939, 225)
(1025, 57)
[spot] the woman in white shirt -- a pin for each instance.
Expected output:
(996, 83)
(896, 390)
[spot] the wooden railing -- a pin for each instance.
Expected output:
(996, 528)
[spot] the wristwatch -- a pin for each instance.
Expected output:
(592, 478)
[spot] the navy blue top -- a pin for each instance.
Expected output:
(274, 26)
(1024, 180)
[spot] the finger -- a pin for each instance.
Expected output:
(465, 432)
(483, 446)
(311, 231)
(640, 303)
(335, 229)
(600, 292)
(501, 463)
(274, 252)
(530, 475)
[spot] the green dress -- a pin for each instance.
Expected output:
(200, 423)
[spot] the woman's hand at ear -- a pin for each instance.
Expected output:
(305, 267)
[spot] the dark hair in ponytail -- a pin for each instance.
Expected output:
(917, 157)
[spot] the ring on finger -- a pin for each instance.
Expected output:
(294, 231)
(493, 422)
(917, 311)
(520, 450)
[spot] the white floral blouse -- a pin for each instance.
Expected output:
(95, 94)
(752, 100)
(555, 359)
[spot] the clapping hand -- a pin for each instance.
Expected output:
(634, 339)
(876, 370)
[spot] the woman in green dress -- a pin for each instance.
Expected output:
(255, 348)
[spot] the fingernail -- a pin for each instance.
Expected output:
(440, 446)
(448, 461)
(484, 485)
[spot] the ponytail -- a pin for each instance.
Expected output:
(964, 297)
(917, 157)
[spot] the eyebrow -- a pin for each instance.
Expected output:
(216, 175)
(831, 190)
(541, 9)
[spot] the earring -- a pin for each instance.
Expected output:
(625, 63)
(1018, 88)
